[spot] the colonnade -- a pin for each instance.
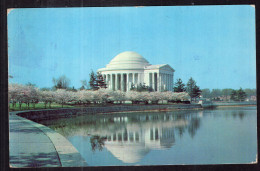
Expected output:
(152, 134)
(165, 82)
(124, 136)
(123, 81)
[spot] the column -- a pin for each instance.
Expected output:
(153, 80)
(162, 76)
(135, 80)
(132, 78)
(108, 81)
(160, 82)
(116, 81)
(105, 78)
(168, 78)
(166, 81)
(171, 83)
(156, 81)
(138, 78)
(169, 87)
(112, 82)
(122, 81)
(127, 82)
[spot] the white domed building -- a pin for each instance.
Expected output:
(129, 68)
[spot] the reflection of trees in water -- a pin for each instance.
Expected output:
(239, 114)
(97, 142)
(228, 113)
(181, 130)
(193, 126)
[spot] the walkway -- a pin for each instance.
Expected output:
(34, 145)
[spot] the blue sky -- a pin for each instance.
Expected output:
(213, 44)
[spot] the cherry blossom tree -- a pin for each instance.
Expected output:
(34, 95)
(13, 93)
(20, 94)
(102, 95)
(155, 97)
(47, 97)
(145, 97)
(62, 96)
(134, 96)
(119, 96)
(83, 96)
(183, 96)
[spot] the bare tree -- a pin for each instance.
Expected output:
(84, 84)
(61, 83)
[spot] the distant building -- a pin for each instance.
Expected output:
(252, 98)
(129, 68)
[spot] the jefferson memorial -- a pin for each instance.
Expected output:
(129, 68)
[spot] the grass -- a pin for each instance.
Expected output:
(38, 106)
(57, 106)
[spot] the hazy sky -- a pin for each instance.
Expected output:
(213, 44)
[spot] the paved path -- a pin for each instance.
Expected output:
(34, 145)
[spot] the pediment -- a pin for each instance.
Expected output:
(166, 67)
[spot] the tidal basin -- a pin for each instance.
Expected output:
(225, 135)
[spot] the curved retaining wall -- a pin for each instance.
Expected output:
(67, 112)
(67, 153)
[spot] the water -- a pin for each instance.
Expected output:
(227, 135)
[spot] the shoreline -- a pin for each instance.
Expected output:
(68, 112)
(224, 106)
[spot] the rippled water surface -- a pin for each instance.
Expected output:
(219, 136)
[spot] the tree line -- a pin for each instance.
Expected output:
(228, 94)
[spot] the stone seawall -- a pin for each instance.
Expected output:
(233, 103)
(68, 112)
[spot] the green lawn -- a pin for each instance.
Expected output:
(38, 106)
(56, 106)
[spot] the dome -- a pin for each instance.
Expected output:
(127, 60)
(128, 153)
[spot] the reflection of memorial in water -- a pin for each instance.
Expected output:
(131, 145)
(133, 141)
(129, 137)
